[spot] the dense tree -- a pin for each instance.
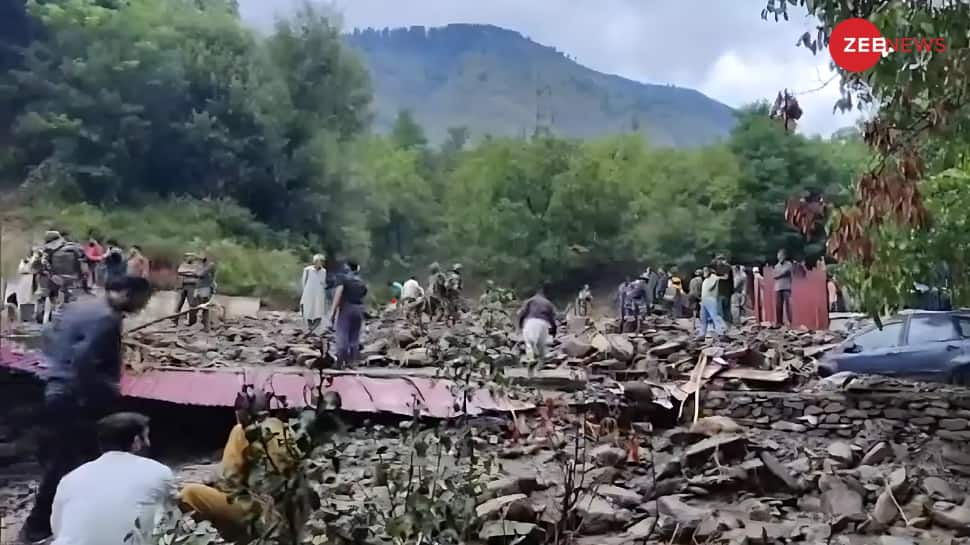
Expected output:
(920, 127)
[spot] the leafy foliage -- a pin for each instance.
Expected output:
(920, 128)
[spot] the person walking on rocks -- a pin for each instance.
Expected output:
(453, 288)
(138, 264)
(694, 293)
(583, 301)
(205, 290)
(783, 279)
(412, 297)
(436, 289)
(710, 309)
(537, 319)
(313, 299)
(348, 314)
(82, 373)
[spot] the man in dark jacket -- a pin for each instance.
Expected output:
(725, 286)
(82, 360)
(537, 319)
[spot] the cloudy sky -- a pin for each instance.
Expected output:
(720, 47)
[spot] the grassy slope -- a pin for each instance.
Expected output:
(486, 78)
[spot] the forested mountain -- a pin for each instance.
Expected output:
(496, 81)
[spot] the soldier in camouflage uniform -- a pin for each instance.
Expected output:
(59, 272)
(583, 301)
(453, 288)
(435, 297)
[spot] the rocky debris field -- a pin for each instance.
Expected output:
(715, 481)
(665, 350)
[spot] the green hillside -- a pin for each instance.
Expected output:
(496, 81)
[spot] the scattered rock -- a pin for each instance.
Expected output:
(953, 424)
(506, 531)
(938, 489)
(513, 485)
(885, 511)
(955, 455)
(839, 500)
(713, 425)
(666, 349)
(599, 516)
(619, 496)
(841, 452)
(575, 347)
(720, 442)
(495, 506)
(789, 427)
(879, 453)
(686, 515)
(608, 455)
(954, 517)
(780, 471)
(620, 347)
(642, 529)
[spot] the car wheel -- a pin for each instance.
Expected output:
(961, 376)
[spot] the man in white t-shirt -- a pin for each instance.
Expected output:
(99, 502)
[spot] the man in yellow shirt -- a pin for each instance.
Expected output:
(229, 505)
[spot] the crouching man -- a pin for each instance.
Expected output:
(113, 499)
(537, 319)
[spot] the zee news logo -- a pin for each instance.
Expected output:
(856, 45)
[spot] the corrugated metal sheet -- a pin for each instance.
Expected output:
(809, 298)
(358, 392)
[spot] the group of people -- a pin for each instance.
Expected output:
(441, 301)
(346, 291)
(717, 295)
(196, 285)
(58, 270)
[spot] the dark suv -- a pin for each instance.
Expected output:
(921, 345)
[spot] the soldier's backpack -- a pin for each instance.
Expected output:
(65, 260)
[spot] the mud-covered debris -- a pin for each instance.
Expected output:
(713, 425)
(723, 443)
(939, 489)
(618, 495)
(841, 452)
(954, 517)
(506, 531)
(599, 515)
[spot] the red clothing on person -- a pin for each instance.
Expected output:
(94, 251)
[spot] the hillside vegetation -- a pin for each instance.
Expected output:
(167, 123)
(495, 81)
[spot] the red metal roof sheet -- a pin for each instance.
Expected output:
(358, 392)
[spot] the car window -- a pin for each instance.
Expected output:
(886, 337)
(931, 329)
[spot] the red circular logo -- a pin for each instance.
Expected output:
(856, 45)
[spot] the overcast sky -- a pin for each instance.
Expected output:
(720, 47)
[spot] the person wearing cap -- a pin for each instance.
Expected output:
(453, 287)
(313, 298)
(437, 288)
(189, 272)
(82, 374)
(694, 292)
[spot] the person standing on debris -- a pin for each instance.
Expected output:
(94, 253)
(436, 287)
(205, 290)
(189, 272)
(583, 301)
(621, 299)
(783, 280)
(648, 281)
(725, 286)
(710, 310)
(739, 297)
(694, 293)
(82, 372)
(65, 266)
(663, 279)
(453, 289)
(412, 297)
(115, 498)
(396, 289)
(313, 298)
(115, 265)
(537, 318)
(348, 315)
(138, 264)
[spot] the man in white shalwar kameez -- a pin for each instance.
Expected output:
(537, 320)
(313, 301)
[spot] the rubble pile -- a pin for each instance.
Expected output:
(665, 349)
(716, 481)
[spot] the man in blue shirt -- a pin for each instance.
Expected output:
(82, 360)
